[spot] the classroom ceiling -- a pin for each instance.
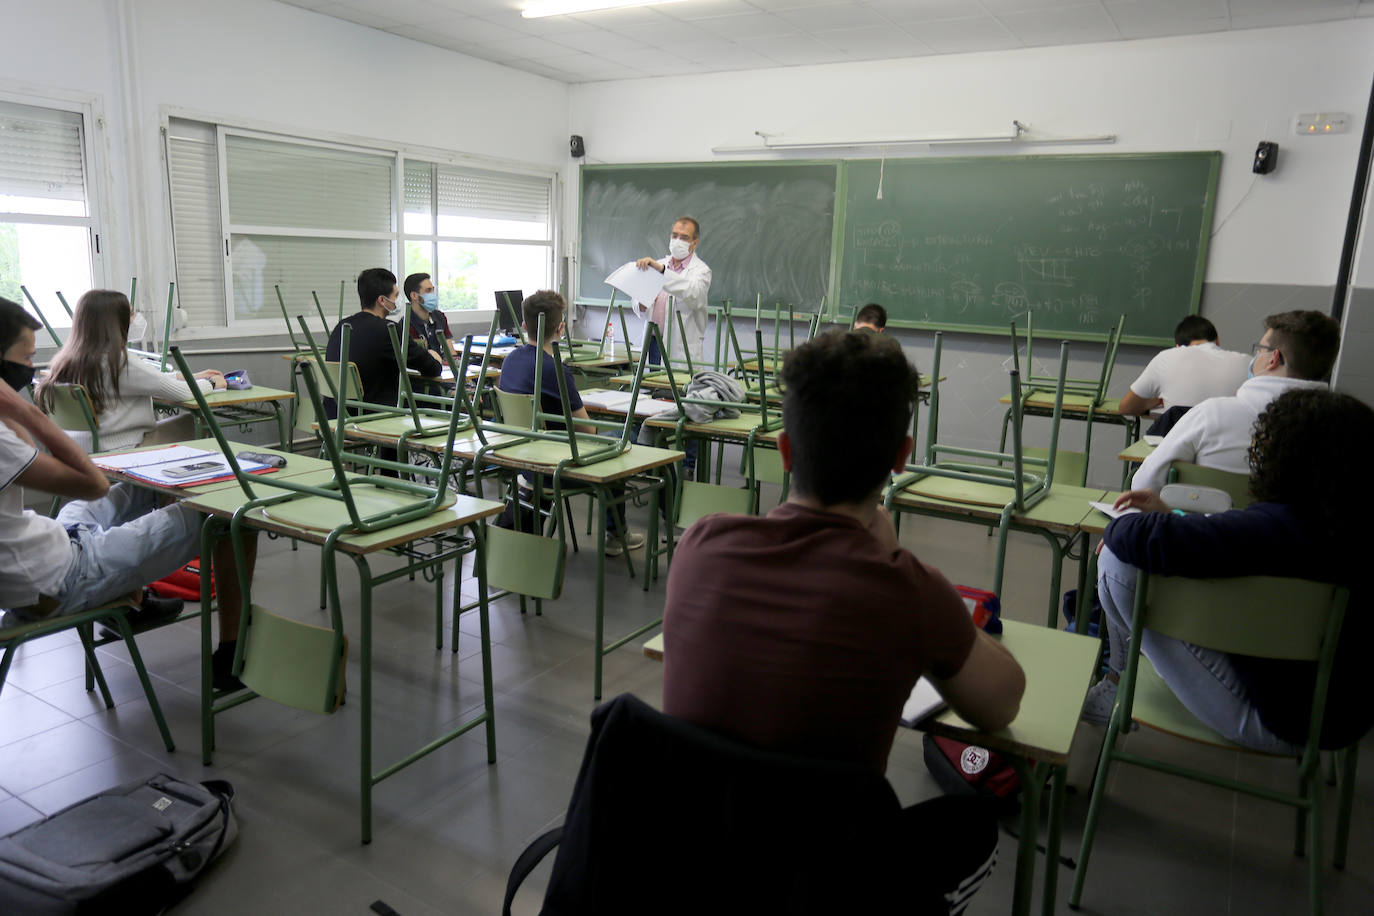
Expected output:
(700, 36)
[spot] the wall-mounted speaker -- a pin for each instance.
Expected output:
(1266, 157)
(576, 146)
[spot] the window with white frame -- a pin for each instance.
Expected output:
(49, 233)
(477, 231)
(254, 213)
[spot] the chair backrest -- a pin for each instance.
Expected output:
(70, 408)
(516, 409)
(726, 827)
(1264, 616)
(1237, 486)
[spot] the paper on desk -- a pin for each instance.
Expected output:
(1153, 440)
(923, 701)
(159, 473)
(182, 453)
(642, 286)
(1107, 510)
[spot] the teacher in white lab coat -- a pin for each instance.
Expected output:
(687, 279)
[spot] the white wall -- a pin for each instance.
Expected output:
(1222, 91)
(269, 65)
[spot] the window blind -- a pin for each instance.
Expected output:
(493, 196)
(197, 243)
(41, 159)
(294, 186)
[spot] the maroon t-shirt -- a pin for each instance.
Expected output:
(798, 632)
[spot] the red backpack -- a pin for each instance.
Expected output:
(184, 583)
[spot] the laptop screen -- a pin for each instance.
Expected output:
(508, 307)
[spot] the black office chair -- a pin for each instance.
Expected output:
(668, 817)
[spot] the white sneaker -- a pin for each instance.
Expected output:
(633, 540)
(1097, 706)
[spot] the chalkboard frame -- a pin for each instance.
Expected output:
(740, 307)
(834, 310)
(1003, 330)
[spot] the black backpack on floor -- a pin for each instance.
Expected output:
(135, 849)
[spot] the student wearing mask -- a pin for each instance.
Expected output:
(1195, 369)
(122, 387)
(1297, 350)
(428, 325)
(370, 342)
(107, 540)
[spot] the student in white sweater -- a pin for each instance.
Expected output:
(121, 388)
(1297, 350)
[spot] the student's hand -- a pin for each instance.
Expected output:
(883, 529)
(1144, 500)
(646, 263)
(437, 358)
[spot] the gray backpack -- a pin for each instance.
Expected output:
(133, 849)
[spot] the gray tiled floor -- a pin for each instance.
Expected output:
(448, 829)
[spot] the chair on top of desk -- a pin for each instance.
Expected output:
(296, 663)
(697, 498)
(1088, 394)
(532, 564)
(1012, 490)
(1263, 616)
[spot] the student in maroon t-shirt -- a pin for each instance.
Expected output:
(803, 631)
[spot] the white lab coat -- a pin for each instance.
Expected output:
(689, 290)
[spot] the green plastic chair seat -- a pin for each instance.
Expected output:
(321, 513)
(398, 426)
(1156, 706)
(962, 491)
(289, 661)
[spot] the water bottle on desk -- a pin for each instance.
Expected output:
(608, 341)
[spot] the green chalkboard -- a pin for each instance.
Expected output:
(968, 244)
(766, 228)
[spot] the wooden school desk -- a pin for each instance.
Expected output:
(1059, 668)
(243, 409)
(540, 456)
(1056, 518)
(319, 524)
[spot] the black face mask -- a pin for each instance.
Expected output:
(16, 375)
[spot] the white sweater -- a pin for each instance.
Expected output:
(1217, 432)
(127, 419)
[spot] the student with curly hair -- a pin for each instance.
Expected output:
(1308, 445)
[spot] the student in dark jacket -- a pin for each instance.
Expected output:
(1310, 447)
(369, 343)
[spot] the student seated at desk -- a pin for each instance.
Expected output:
(871, 319)
(121, 388)
(517, 377)
(1310, 448)
(1297, 350)
(804, 631)
(1195, 369)
(428, 325)
(369, 344)
(107, 541)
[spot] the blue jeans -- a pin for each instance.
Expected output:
(1204, 680)
(122, 542)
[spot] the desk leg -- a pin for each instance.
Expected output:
(600, 590)
(1030, 829)
(365, 693)
(479, 570)
(1056, 576)
(207, 648)
(1052, 841)
(283, 427)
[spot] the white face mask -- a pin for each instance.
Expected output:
(138, 328)
(679, 249)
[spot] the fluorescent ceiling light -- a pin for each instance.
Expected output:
(537, 9)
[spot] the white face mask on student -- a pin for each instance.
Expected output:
(679, 249)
